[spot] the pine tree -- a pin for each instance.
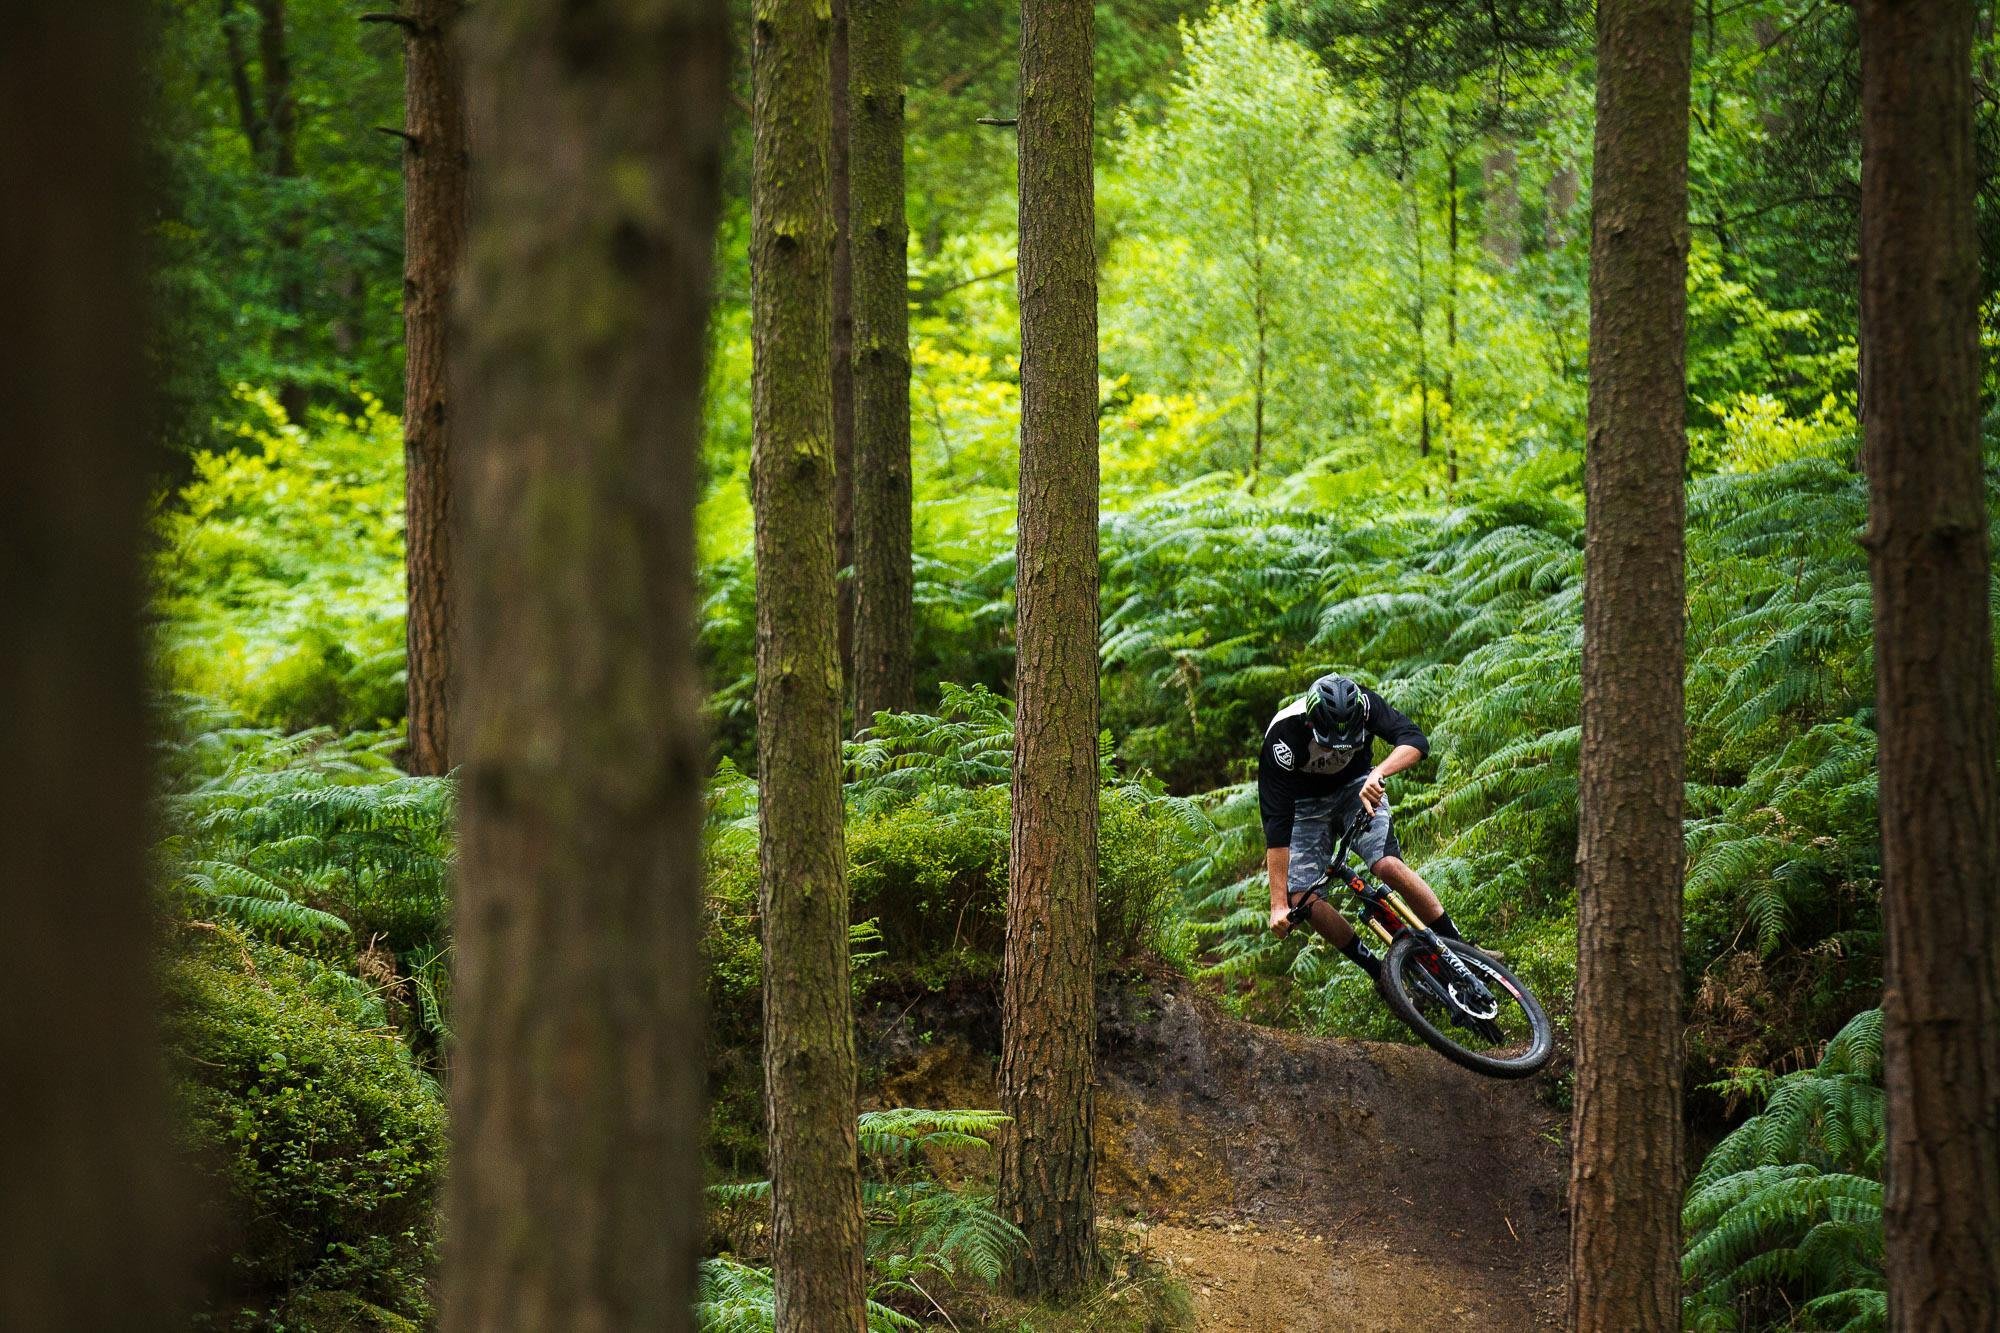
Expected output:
(1927, 541)
(1626, 1136)
(434, 195)
(809, 1062)
(840, 346)
(884, 675)
(1048, 1017)
(577, 1082)
(86, 1234)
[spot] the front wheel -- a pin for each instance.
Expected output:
(1506, 1037)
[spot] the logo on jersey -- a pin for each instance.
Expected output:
(1282, 753)
(1327, 758)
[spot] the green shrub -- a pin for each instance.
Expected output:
(322, 1145)
(928, 830)
(278, 574)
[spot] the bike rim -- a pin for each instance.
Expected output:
(1502, 1029)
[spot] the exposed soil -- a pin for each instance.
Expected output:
(1292, 1183)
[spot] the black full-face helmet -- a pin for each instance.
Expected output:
(1338, 711)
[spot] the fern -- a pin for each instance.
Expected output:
(1788, 1206)
(317, 842)
(918, 1229)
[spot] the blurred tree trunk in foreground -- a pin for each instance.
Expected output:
(434, 201)
(1625, 1143)
(1927, 542)
(1048, 1016)
(86, 1235)
(809, 1069)
(884, 672)
(575, 1189)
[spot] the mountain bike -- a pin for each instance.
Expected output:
(1496, 1026)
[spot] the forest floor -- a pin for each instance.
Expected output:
(1295, 1183)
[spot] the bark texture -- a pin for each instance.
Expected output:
(1626, 1140)
(1927, 539)
(809, 1069)
(575, 1196)
(86, 1235)
(434, 202)
(841, 347)
(884, 672)
(1048, 1019)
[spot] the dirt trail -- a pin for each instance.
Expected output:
(1298, 1184)
(1303, 1184)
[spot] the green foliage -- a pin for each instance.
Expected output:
(1786, 1212)
(277, 574)
(263, 278)
(927, 846)
(323, 1147)
(1295, 296)
(317, 842)
(1218, 607)
(919, 1230)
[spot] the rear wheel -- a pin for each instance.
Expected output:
(1505, 1035)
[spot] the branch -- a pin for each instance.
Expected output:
(403, 21)
(926, 298)
(407, 137)
(998, 120)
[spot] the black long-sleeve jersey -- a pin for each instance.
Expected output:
(1292, 765)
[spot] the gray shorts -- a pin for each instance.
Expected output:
(1317, 825)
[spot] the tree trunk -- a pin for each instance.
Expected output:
(1626, 1137)
(87, 1234)
(577, 1084)
(841, 348)
(248, 117)
(809, 1069)
(1450, 423)
(434, 172)
(1048, 1018)
(1558, 198)
(884, 671)
(1927, 541)
(1503, 206)
(281, 137)
(1418, 319)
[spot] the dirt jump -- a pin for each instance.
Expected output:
(1296, 1183)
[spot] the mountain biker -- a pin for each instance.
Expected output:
(1313, 775)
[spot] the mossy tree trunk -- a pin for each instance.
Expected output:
(434, 202)
(1626, 1149)
(1048, 1017)
(86, 1237)
(841, 346)
(1927, 540)
(575, 1189)
(809, 1069)
(884, 673)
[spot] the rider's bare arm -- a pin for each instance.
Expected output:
(1400, 758)
(1278, 861)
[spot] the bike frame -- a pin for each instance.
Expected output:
(1380, 902)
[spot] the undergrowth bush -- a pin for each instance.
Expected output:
(321, 1142)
